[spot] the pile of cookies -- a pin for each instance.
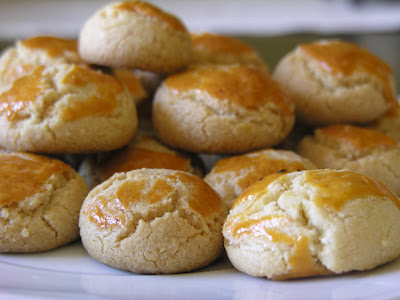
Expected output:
(112, 137)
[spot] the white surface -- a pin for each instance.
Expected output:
(69, 273)
(20, 19)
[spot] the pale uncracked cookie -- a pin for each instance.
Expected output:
(211, 48)
(229, 177)
(333, 81)
(311, 223)
(66, 108)
(135, 34)
(143, 152)
(362, 150)
(153, 221)
(40, 200)
(222, 109)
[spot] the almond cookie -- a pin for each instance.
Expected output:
(222, 109)
(66, 109)
(135, 34)
(210, 48)
(230, 176)
(40, 200)
(362, 150)
(143, 152)
(312, 223)
(333, 81)
(153, 221)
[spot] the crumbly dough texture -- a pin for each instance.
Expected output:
(155, 231)
(322, 98)
(381, 162)
(47, 219)
(232, 175)
(194, 121)
(296, 237)
(123, 38)
(44, 125)
(389, 123)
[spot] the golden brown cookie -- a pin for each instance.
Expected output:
(211, 48)
(311, 223)
(333, 81)
(153, 221)
(40, 200)
(222, 109)
(66, 109)
(362, 150)
(230, 176)
(135, 34)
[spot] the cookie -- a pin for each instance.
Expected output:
(135, 34)
(143, 152)
(153, 221)
(40, 200)
(333, 81)
(389, 123)
(229, 177)
(66, 109)
(210, 48)
(132, 83)
(362, 150)
(312, 223)
(222, 109)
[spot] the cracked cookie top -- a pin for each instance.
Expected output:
(313, 222)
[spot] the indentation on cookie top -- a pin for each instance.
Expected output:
(259, 166)
(23, 175)
(53, 46)
(202, 198)
(22, 93)
(355, 137)
(242, 85)
(339, 57)
(132, 158)
(103, 103)
(220, 44)
(300, 262)
(148, 10)
(334, 188)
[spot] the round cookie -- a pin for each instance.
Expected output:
(143, 152)
(20, 60)
(222, 109)
(40, 200)
(333, 81)
(66, 109)
(135, 34)
(229, 177)
(210, 48)
(389, 123)
(153, 221)
(311, 223)
(362, 150)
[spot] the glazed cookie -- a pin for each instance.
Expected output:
(230, 176)
(132, 83)
(40, 200)
(389, 123)
(153, 221)
(66, 109)
(362, 150)
(222, 109)
(135, 34)
(311, 223)
(143, 152)
(39, 50)
(220, 49)
(333, 81)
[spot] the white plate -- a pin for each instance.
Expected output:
(70, 273)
